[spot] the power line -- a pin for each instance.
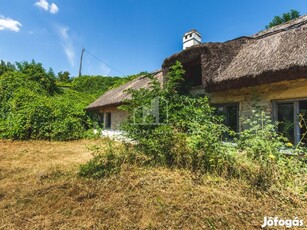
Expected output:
(98, 59)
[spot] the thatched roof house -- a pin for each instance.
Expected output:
(117, 96)
(270, 56)
(106, 105)
(270, 65)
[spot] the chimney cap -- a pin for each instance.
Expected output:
(192, 31)
(191, 38)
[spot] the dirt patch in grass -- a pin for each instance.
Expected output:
(40, 189)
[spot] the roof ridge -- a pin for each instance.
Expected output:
(292, 24)
(118, 94)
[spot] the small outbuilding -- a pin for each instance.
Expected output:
(106, 106)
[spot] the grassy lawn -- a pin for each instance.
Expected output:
(40, 189)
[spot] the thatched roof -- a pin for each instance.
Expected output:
(270, 56)
(273, 55)
(117, 95)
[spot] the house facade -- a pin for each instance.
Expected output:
(267, 70)
(106, 107)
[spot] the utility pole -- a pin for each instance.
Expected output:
(80, 68)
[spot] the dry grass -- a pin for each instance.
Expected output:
(39, 189)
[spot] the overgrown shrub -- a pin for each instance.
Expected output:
(103, 164)
(264, 147)
(35, 72)
(110, 158)
(95, 85)
(33, 106)
(182, 118)
(28, 111)
(260, 138)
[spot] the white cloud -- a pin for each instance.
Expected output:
(44, 4)
(9, 24)
(70, 53)
(63, 32)
(66, 43)
(54, 8)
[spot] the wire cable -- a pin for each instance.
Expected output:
(98, 59)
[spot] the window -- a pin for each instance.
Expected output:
(303, 121)
(231, 116)
(291, 117)
(99, 118)
(285, 117)
(108, 121)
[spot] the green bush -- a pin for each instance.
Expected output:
(189, 131)
(263, 147)
(260, 139)
(109, 159)
(95, 85)
(28, 111)
(6, 67)
(33, 106)
(35, 72)
(103, 163)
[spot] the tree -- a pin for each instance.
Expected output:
(36, 72)
(51, 74)
(95, 85)
(27, 111)
(6, 67)
(64, 76)
(277, 20)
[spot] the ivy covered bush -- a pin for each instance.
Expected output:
(95, 85)
(37, 104)
(32, 106)
(28, 111)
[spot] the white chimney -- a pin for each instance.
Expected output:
(191, 38)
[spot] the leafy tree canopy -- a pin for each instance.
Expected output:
(6, 67)
(35, 72)
(277, 20)
(95, 85)
(32, 106)
(64, 76)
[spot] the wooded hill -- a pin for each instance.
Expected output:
(38, 104)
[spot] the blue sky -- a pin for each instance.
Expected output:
(129, 35)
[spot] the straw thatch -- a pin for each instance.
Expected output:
(270, 56)
(118, 95)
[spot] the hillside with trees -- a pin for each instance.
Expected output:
(38, 104)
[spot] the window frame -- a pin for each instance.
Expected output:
(101, 119)
(225, 105)
(108, 120)
(296, 111)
